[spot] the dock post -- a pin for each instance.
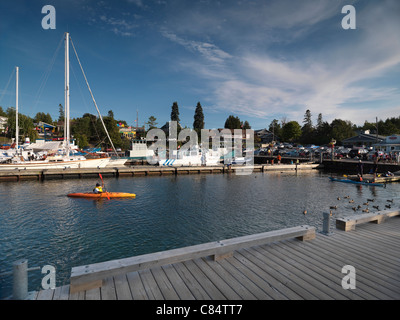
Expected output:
(326, 224)
(20, 279)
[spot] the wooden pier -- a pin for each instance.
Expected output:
(131, 171)
(282, 269)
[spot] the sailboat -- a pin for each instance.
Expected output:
(63, 159)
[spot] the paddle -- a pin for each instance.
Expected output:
(108, 197)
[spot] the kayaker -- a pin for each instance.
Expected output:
(98, 188)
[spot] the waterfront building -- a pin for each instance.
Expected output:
(363, 139)
(391, 144)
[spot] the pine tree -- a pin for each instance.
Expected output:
(175, 113)
(246, 125)
(198, 123)
(152, 122)
(233, 123)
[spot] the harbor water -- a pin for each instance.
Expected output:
(40, 223)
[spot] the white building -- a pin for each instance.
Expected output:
(390, 144)
(3, 124)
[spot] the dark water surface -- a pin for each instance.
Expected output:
(40, 223)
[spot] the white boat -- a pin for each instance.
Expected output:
(56, 162)
(117, 162)
(140, 151)
(194, 156)
(64, 157)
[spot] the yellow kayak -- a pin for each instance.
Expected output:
(102, 195)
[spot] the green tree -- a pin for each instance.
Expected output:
(82, 140)
(291, 131)
(25, 124)
(113, 130)
(319, 120)
(233, 122)
(246, 125)
(152, 122)
(82, 127)
(322, 133)
(175, 112)
(307, 130)
(61, 116)
(43, 117)
(276, 129)
(341, 129)
(2, 113)
(198, 122)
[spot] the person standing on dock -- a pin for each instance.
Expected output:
(375, 167)
(360, 169)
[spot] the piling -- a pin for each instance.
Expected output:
(326, 224)
(20, 279)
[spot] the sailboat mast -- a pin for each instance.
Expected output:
(66, 116)
(16, 108)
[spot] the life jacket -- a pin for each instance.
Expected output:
(98, 190)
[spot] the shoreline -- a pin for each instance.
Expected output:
(142, 170)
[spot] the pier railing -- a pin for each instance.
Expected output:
(92, 276)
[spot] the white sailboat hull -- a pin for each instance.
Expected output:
(117, 162)
(61, 164)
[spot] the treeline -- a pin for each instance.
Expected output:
(323, 132)
(87, 130)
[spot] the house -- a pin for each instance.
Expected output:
(363, 139)
(3, 124)
(45, 129)
(266, 136)
(390, 144)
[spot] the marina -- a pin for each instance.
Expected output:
(228, 156)
(131, 171)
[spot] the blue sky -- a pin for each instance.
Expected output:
(257, 60)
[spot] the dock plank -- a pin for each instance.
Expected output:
(150, 285)
(229, 293)
(137, 288)
(108, 289)
(280, 281)
(191, 282)
(164, 284)
(244, 280)
(227, 277)
(179, 285)
(122, 288)
(211, 289)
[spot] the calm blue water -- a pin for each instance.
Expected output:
(40, 223)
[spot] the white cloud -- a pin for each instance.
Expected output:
(120, 27)
(284, 69)
(207, 50)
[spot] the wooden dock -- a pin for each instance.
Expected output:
(287, 269)
(140, 170)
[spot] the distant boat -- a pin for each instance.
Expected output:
(139, 150)
(192, 157)
(357, 182)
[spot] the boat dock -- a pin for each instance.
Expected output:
(131, 171)
(358, 262)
